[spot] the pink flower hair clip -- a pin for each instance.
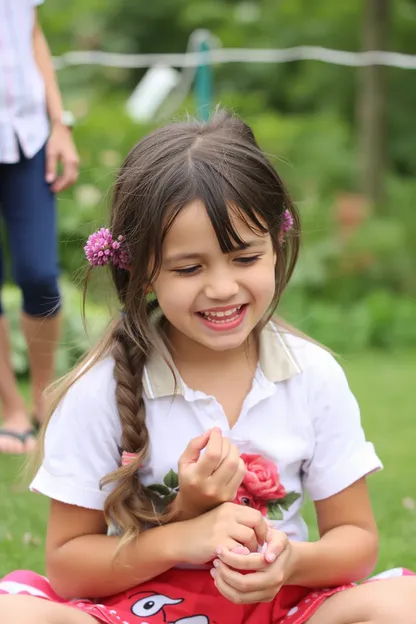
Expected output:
(102, 249)
(288, 222)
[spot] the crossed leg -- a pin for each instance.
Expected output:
(390, 601)
(31, 610)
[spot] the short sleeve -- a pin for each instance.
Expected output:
(82, 443)
(342, 455)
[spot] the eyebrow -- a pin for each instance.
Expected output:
(196, 256)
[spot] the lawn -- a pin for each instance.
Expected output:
(383, 384)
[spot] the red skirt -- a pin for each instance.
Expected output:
(184, 597)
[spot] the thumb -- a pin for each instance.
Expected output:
(51, 166)
(276, 543)
(193, 450)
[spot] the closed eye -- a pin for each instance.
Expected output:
(241, 260)
(248, 259)
(187, 270)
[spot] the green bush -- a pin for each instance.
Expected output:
(348, 294)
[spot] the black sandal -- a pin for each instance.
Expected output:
(22, 437)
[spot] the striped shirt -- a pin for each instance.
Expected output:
(23, 114)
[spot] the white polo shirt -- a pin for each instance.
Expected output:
(23, 115)
(299, 431)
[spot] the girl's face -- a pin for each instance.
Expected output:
(213, 298)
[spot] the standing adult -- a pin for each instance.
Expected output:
(38, 159)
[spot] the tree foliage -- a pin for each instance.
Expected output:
(352, 288)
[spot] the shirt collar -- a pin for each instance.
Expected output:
(275, 358)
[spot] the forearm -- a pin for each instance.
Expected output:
(44, 62)
(88, 566)
(343, 555)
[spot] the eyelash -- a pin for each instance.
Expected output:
(247, 260)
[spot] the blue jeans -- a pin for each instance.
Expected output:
(28, 211)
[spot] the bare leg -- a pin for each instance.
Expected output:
(31, 610)
(42, 335)
(390, 601)
(14, 409)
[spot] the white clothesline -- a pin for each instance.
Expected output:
(237, 55)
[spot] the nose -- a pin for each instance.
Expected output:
(221, 286)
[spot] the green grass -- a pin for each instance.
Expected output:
(384, 386)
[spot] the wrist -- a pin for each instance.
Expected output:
(62, 119)
(175, 539)
(301, 552)
(184, 511)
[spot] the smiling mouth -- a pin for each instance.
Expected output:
(223, 317)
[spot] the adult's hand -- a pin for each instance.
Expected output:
(61, 150)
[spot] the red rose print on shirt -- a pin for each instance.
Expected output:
(262, 478)
(261, 488)
(245, 498)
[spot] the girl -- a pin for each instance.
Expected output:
(179, 452)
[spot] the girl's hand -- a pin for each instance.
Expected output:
(207, 480)
(268, 570)
(226, 527)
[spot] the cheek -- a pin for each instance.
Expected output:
(263, 279)
(172, 293)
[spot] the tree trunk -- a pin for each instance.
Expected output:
(372, 105)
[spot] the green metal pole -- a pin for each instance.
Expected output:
(203, 85)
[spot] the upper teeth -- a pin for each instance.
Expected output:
(222, 312)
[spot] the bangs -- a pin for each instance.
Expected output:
(222, 202)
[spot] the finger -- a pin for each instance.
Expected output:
(237, 477)
(226, 471)
(193, 450)
(211, 458)
(248, 562)
(232, 545)
(51, 165)
(253, 518)
(243, 536)
(68, 177)
(226, 449)
(239, 597)
(276, 543)
(240, 550)
(244, 583)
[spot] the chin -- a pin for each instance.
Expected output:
(223, 343)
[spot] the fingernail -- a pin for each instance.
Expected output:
(215, 563)
(240, 550)
(213, 573)
(270, 557)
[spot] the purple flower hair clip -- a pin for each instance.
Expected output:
(288, 222)
(102, 249)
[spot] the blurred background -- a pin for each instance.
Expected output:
(341, 136)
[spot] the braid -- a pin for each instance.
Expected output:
(129, 505)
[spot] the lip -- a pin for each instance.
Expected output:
(221, 308)
(227, 326)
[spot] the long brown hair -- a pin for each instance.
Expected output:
(219, 163)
